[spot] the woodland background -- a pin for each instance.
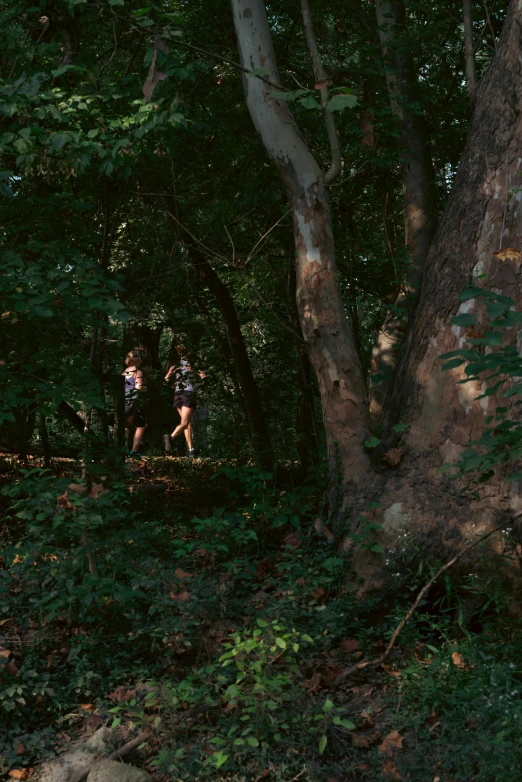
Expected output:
(216, 605)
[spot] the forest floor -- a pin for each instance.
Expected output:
(218, 619)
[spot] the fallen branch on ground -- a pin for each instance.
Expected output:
(379, 660)
(80, 776)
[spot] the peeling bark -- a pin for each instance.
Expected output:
(326, 331)
(445, 416)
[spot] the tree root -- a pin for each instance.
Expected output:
(379, 660)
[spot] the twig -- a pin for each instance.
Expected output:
(322, 85)
(177, 42)
(119, 753)
(372, 663)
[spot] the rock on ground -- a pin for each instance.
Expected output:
(113, 771)
(84, 755)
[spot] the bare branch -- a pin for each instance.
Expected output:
(373, 663)
(322, 85)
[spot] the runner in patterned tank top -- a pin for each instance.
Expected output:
(133, 385)
(184, 400)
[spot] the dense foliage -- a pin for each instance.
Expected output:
(207, 601)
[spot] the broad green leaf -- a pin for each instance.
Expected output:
(323, 741)
(341, 102)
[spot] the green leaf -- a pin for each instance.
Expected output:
(377, 549)
(465, 319)
(253, 742)
(323, 741)
(348, 724)
(328, 706)
(279, 520)
(262, 623)
(310, 103)
(373, 442)
(342, 102)
(116, 2)
(471, 293)
(401, 428)
(281, 643)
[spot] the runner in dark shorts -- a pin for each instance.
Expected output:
(184, 401)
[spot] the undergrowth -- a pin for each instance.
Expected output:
(223, 630)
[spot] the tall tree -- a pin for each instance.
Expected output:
(326, 330)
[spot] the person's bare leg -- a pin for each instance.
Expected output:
(186, 420)
(188, 437)
(138, 437)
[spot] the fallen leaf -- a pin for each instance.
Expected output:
(366, 739)
(392, 742)
(121, 694)
(92, 723)
(180, 597)
(12, 669)
(319, 593)
(20, 748)
(458, 660)
(321, 84)
(21, 773)
(259, 596)
(63, 500)
(292, 540)
(329, 675)
(349, 645)
(77, 487)
(97, 489)
(4, 652)
(263, 568)
(313, 683)
(393, 457)
(391, 671)
(390, 770)
(89, 707)
(181, 574)
(509, 254)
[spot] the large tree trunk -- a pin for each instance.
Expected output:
(482, 215)
(418, 178)
(323, 321)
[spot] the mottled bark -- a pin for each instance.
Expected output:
(326, 331)
(444, 415)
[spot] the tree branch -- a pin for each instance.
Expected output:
(373, 663)
(322, 85)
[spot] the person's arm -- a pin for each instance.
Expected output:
(171, 372)
(139, 380)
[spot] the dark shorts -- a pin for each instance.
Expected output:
(184, 399)
(135, 416)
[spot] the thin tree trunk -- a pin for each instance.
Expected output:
(469, 52)
(44, 439)
(308, 444)
(247, 382)
(418, 183)
(326, 331)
